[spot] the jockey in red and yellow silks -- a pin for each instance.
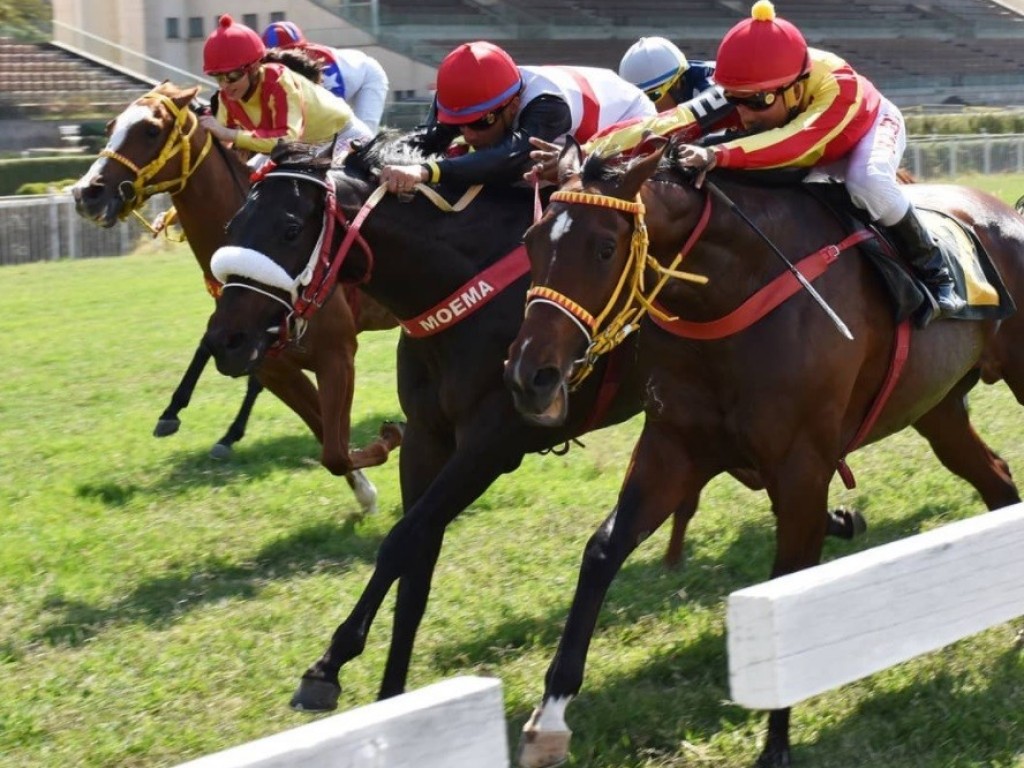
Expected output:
(263, 102)
(804, 107)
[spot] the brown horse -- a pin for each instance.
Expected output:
(157, 145)
(784, 397)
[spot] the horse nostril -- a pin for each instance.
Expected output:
(545, 379)
(236, 342)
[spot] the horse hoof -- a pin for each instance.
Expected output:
(316, 696)
(846, 523)
(166, 427)
(543, 749)
(220, 452)
(391, 432)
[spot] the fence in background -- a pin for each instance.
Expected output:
(46, 228)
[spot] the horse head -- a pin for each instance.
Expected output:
(153, 146)
(588, 255)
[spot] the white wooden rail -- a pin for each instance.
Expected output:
(808, 632)
(458, 723)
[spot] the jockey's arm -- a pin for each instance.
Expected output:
(545, 118)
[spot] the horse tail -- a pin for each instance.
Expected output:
(297, 61)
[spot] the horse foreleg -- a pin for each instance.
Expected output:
(291, 386)
(222, 448)
(335, 378)
(169, 423)
(798, 489)
(468, 473)
(662, 480)
(410, 605)
(948, 430)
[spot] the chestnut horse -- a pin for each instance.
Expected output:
(157, 145)
(784, 397)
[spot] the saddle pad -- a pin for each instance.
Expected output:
(976, 277)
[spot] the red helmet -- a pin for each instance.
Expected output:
(231, 46)
(473, 80)
(761, 53)
(283, 34)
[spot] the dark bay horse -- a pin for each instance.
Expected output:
(784, 397)
(459, 282)
(157, 145)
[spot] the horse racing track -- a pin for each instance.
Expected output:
(159, 606)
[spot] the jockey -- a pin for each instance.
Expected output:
(263, 102)
(498, 106)
(658, 68)
(809, 108)
(348, 72)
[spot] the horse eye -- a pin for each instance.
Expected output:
(606, 252)
(152, 131)
(291, 231)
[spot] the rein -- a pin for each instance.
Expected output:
(134, 194)
(606, 331)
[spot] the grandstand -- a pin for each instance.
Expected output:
(40, 79)
(919, 52)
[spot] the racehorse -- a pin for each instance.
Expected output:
(458, 281)
(157, 145)
(784, 396)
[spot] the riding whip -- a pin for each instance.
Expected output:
(713, 188)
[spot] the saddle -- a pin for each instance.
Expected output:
(970, 265)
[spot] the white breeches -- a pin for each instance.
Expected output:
(870, 169)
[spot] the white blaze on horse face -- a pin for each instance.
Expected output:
(134, 114)
(127, 120)
(561, 227)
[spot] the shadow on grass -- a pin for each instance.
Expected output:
(250, 460)
(158, 601)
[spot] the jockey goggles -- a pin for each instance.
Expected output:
(655, 94)
(755, 102)
(231, 77)
(483, 123)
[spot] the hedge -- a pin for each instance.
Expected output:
(17, 171)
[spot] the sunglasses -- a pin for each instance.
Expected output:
(756, 102)
(655, 94)
(483, 123)
(230, 77)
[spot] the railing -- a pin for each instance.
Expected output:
(46, 228)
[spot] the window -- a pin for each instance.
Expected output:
(252, 21)
(276, 16)
(195, 27)
(172, 28)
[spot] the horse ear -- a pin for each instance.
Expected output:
(570, 160)
(640, 170)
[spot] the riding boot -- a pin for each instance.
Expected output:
(925, 258)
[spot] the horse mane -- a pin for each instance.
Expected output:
(297, 61)
(389, 147)
(302, 156)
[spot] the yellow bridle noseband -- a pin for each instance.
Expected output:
(178, 141)
(606, 331)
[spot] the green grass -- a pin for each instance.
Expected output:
(156, 605)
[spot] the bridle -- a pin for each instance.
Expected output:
(134, 193)
(607, 330)
(309, 290)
